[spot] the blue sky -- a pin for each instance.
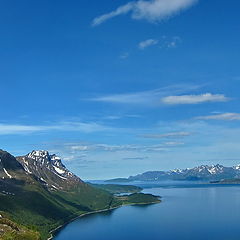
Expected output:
(117, 88)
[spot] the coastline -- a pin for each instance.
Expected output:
(52, 232)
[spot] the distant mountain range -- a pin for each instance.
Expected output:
(204, 172)
(38, 193)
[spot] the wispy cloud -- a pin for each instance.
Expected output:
(119, 11)
(173, 144)
(19, 129)
(152, 11)
(135, 158)
(145, 97)
(147, 43)
(83, 149)
(117, 117)
(133, 98)
(164, 42)
(171, 42)
(194, 99)
(168, 135)
(7, 129)
(222, 116)
(124, 148)
(124, 55)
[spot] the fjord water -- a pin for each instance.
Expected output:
(206, 212)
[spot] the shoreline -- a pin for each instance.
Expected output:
(94, 212)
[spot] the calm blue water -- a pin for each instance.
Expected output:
(187, 212)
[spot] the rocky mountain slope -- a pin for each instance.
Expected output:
(9, 167)
(49, 169)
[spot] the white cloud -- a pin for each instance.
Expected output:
(145, 97)
(194, 99)
(147, 43)
(222, 116)
(7, 129)
(119, 11)
(168, 135)
(152, 11)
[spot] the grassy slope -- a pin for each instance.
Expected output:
(41, 210)
(116, 189)
(35, 207)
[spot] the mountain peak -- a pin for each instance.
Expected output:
(49, 169)
(38, 153)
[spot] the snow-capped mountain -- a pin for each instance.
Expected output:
(204, 172)
(49, 169)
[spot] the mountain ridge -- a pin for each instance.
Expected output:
(203, 172)
(49, 169)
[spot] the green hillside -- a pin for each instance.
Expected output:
(117, 189)
(33, 208)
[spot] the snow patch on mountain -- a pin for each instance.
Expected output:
(60, 171)
(7, 173)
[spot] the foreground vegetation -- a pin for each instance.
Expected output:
(12, 231)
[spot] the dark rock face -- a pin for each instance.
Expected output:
(49, 170)
(9, 165)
